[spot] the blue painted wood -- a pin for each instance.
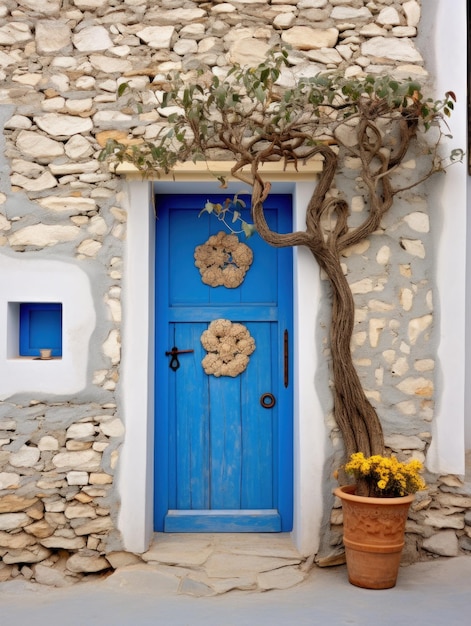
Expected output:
(191, 421)
(40, 327)
(217, 448)
(259, 425)
(236, 521)
(247, 312)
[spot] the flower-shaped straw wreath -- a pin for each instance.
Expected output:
(229, 347)
(223, 260)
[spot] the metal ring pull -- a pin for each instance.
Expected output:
(267, 400)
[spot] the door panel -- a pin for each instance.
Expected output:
(223, 461)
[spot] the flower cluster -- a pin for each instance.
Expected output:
(386, 476)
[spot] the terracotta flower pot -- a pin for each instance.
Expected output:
(373, 535)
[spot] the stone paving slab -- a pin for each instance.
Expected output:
(435, 593)
(206, 564)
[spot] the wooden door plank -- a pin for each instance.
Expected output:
(192, 421)
(225, 437)
(257, 443)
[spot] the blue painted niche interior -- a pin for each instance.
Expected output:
(40, 327)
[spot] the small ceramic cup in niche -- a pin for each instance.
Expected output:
(45, 353)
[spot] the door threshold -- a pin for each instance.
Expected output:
(223, 521)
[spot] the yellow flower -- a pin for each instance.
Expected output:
(387, 476)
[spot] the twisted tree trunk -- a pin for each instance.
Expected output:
(354, 414)
(327, 235)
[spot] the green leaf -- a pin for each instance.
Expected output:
(260, 93)
(208, 208)
(122, 88)
(249, 229)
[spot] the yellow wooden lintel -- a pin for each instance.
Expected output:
(272, 171)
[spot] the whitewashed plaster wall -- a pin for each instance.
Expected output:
(443, 41)
(30, 281)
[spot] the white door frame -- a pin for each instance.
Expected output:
(135, 480)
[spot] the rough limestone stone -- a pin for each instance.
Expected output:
(40, 529)
(43, 7)
(306, 38)
(444, 543)
(440, 520)
(390, 48)
(79, 510)
(90, 4)
(112, 428)
(38, 147)
(49, 576)
(122, 559)
(43, 235)
(112, 346)
(87, 561)
(415, 247)
(57, 124)
(417, 326)
(77, 478)
(34, 555)
(89, 247)
(76, 431)
(55, 542)
(12, 503)
(108, 65)
(92, 39)
(69, 204)
(183, 553)
(78, 147)
(13, 33)
(52, 36)
(465, 543)
(418, 221)
(282, 578)
(219, 566)
(100, 478)
(27, 456)
(16, 540)
(12, 521)
(98, 525)
(416, 386)
(412, 11)
(325, 55)
(157, 37)
(74, 168)
(388, 15)
(350, 13)
(402, 442)
(48, 443)
(43, 182)
(17, 122)
(88, 460)
(8, 480)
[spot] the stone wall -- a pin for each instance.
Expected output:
(61, 62)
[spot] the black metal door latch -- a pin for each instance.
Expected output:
(174, 352)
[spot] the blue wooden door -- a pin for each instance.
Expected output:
(223, 455)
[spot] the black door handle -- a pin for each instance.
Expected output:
(174, 352)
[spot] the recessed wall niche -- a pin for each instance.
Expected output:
(38, 329)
